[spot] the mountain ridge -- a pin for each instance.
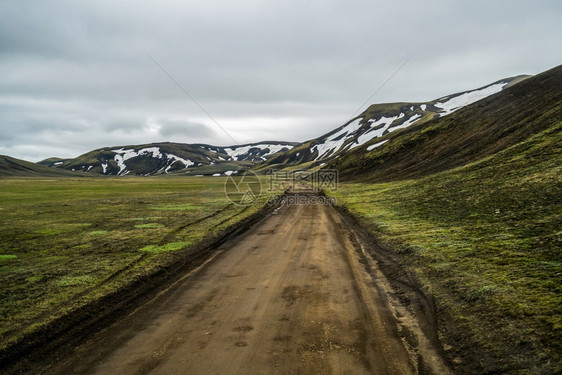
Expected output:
(376, 121)
(170, 157)
(374, 124)
(471, 133)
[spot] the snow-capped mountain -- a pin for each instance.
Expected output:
(491, 126)
(377, 121)
(164, 158)
(370, 127)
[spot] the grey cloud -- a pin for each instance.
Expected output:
(174, 128)
(75, 75)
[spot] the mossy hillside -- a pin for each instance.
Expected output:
(485, 240)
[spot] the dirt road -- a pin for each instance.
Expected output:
(290, 296)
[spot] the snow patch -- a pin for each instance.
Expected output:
(467, 98)
(364, 138)
(273, 149)
(406, 123)
(423, 107)
(384, 121)
(331, 144)
(120, 159)
(234, 152)
(372, 147)
(382, 125)
(131, 153)
(125, 154)
(173, 158)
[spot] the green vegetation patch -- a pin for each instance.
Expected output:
(178, 207)
(48, 231)
(172, 246)
(7, 256)
(149, 226)
(98, 233)
(75, 281)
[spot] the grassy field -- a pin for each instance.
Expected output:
(485, 240)
(67, 241)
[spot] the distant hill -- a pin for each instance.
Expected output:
(167, 157)
(52, 162)
(469, 134)
(376, 122)
(10, 167)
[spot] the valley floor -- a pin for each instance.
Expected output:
(291, 295)
(72, 246)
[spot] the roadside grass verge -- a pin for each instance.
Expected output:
(65, 242)
(170, 246)
(485, 240)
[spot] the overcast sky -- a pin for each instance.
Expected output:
(77, 75)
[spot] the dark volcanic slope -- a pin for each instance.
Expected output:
(375, 123)
(472, 133)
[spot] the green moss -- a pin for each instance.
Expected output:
(48, 231)
(75, 281)
(149, 226)
(178, 207)
(172, 246)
